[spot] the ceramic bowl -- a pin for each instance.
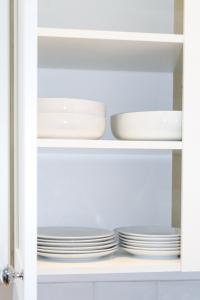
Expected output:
(150, 125)
(71, 126)
(70, 105)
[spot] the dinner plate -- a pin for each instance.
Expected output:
(75, 251)
(150, 249)
(148, 242)
(75, 243)
(149, 245)
(60, 248)
(77, 255)
(148, 231)
(148, 238)
(152, 253)
(80, 233)
(99, 240)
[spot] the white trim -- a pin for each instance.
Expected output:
(4, 132)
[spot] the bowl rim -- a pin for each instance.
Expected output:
(148, 112)
(89, 101)
(70, 114)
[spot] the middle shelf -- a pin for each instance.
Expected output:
(109, 144)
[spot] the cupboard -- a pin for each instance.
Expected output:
(133, 56)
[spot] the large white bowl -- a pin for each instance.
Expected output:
(70, 105)
(151, 125)
(71, 126)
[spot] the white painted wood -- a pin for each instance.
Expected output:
(4, 134)
(191, 140)
(88, 49)
(25, 132)
(116, 264)
(110, 35)
(109, 144)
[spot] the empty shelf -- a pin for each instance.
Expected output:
(108, 50)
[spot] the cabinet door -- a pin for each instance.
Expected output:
(4, 133)
(191, 139)
(24, 146)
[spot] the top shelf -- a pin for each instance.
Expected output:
(108, 50)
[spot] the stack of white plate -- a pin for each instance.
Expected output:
(71, 118)
(75, 242)
(150, 241)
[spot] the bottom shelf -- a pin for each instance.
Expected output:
(103, 269)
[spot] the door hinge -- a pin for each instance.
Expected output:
(8, 275)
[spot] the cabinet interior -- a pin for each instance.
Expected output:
(152, 16)
(111, 188)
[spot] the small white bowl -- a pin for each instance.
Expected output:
(71, 126)
(149, 125)
(70, 105)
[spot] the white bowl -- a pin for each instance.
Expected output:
(70, 105)
(71, 126)
(150, 125)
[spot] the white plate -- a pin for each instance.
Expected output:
(150, 245)
(77, 256)
(152, 253)
(89, 241)
(60, 248)
(64, 243)
(148, 231)
(75, 251)
(149, 248)
(148, 125)
(148, 239)
(70, 105)
(73, 233)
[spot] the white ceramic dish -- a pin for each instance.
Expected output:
(71, 126)
(77, 255)
(71, 105)
(150, 245)
(149, 239)
(98, 240)
(80, 233)
(149, 231)
(149, 125)
(77, 243)
(150, 248)
(152, 253)
(81, 248)
(76, 249)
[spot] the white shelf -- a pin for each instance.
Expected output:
(109, 144)
(90, 49)
(116, 264)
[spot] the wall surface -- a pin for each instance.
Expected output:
(122, 15)
(151, 290)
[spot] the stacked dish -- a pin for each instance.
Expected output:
(150, 241)
(75, 242)
(71, 118)
(149, 125)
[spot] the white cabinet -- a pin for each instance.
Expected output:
(133, 55)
